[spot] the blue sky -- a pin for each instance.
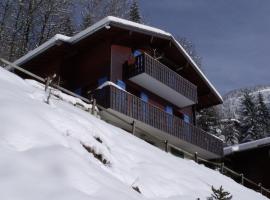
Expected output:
(232, 36)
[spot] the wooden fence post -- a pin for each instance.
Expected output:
(242, 178)
(260, 187)
(133, 127)
(94, 104)
(196, 157)
(166, 145)
(222, 168)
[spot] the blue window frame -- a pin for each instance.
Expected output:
(137, 53)
(144, 97)
(121, 84)
(186, 118)
(169, 110)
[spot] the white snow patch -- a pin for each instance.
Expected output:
(42, 156)
(109, 83)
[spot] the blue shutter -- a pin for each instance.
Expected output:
(186, 119)
(121, 84)
(169, 110)
(144, 97)
(136, 53)
(102, 80)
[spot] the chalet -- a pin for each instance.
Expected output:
(251, 159)
(140, 75)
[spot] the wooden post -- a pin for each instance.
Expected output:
(94, 104)
(260, 187)
(196, 157)
(47, 83)
(133, 127)
(166, 145)
(242, 178)
(222, 168)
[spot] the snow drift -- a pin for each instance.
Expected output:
(57, 151)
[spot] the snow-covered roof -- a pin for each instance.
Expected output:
(247, 146)
(51, 42)
(115, 21)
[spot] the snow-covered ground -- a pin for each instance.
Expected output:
(42, 155)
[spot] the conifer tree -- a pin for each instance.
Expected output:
(134, 13)
(231, 131)
(208, 120)
(249, 126)
(263, 116)
(220, 194)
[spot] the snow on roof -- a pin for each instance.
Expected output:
(51, 42)
(110, 19)
(247, 146)
(105, 22)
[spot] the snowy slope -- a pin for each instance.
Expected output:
(42, 156)
(232, 100)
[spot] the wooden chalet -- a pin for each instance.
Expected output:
(140, 74)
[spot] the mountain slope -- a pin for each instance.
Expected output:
(51, 151)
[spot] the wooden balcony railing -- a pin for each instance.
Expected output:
(146, 64)
(132, 106)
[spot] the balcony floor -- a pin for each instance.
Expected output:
(125, 122)
(148, 82)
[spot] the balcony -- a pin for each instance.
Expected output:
(151, 74)
(155, 121)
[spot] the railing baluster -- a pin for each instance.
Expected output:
(134, 107)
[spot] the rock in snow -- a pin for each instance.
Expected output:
(55, 151)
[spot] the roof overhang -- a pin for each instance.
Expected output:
(247, 146)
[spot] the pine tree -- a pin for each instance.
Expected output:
(231, 131)
(220, 194)
(190, 49)
(263, 116)
(249, 127)
(134, 13)
(208, 120)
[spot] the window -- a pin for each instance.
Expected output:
(144, 97)
(136, 53)
(121, 84)
(186, 118)
(169, 110)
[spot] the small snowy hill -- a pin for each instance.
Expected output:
(60, 152)
(232, 100)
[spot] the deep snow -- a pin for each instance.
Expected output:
(42, 155)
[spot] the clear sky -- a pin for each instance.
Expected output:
(232, 36)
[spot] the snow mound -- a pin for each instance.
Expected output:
(55, 151)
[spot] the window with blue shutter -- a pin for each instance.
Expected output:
(169, 110)
(186, 119)
(137, 53)
(121, 84)
(144, 97)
